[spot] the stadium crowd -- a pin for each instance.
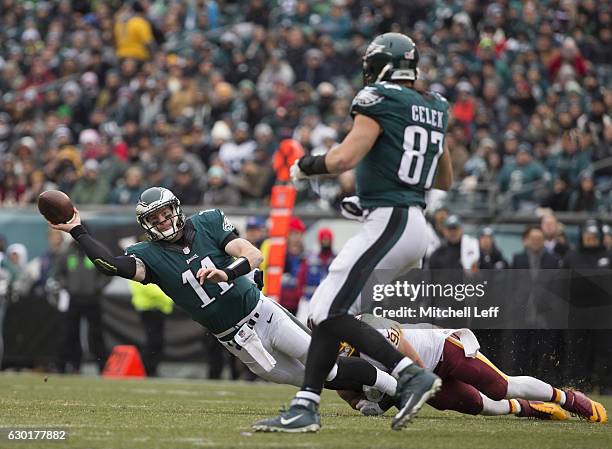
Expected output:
(103, 99)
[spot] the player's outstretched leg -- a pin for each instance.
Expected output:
(575, 402)
(540, 399)
(465, 398)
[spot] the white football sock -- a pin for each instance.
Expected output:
(314, 397)
(385, 382)
(526, 387)
(495, 408)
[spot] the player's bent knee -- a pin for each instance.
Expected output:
(471, 405)
(496, 389)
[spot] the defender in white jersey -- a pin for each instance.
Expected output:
(471, 383)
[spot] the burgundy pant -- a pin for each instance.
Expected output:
(464, 378)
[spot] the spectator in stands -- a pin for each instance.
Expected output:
(256, 230)
(256, 176)
(595, 121)
(571, 162)
(534, 257)
(491, 257)
(130, 187)
(15, 264)
(558, 199)
(337, 24)
(460, 251)
(296, 267)
(219, 191)
(155, 176)
(12, 189)
(133, 33)
(569, 56)
(586, 198)
(234, 153)
(551, 228)
(277, 69)
(182, 100)
(184, 186)
(91, 188)
(176, 155)
(37, 185)
(521, 178)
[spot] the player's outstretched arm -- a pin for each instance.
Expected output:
(355, 145)
(408, 350)
(345, 156)
(124, 266)
(444, 177)
(247, 258)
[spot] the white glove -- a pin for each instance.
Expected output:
(351, 208)
(296, 172)
(368, 408)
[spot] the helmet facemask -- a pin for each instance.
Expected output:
(176, 217)
(145, 213)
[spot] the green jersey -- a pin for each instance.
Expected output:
(217, 306)
(402, 164)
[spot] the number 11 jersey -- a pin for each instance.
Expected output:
(217, 306)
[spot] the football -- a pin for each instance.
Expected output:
(55, 206)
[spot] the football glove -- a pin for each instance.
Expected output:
(373, 394)
(296, 172)
(351, 208)
(368, 408)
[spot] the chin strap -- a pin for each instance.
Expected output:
(383, 72)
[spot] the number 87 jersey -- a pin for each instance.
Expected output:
(217, 306)
(402, 164)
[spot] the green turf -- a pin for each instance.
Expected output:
(156, 413)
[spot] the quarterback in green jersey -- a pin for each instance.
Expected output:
(396, 146)
(207, 270)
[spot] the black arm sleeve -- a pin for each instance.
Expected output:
(105, 262)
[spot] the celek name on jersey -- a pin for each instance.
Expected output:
(426, 115)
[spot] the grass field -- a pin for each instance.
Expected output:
(157, 413)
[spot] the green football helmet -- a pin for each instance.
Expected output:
(152, 200)
(390, 57)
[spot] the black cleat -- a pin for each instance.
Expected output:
(415, 386)
(302, 416)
